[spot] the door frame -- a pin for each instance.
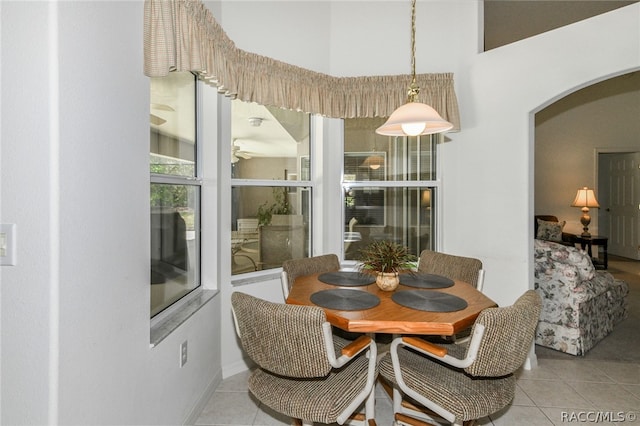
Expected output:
(601, 212)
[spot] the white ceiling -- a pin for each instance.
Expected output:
(277, 134)
(269, 139)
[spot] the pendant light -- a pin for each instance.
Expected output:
(414, 118)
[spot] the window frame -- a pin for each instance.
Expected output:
(433, 184)
(195, 181)
(309, 184)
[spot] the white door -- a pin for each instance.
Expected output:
(619, 213)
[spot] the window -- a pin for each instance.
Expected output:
(174, 191)
(270, 187)
(389, 187)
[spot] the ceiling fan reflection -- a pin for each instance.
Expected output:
(237, 153)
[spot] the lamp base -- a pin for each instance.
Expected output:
(585, 220)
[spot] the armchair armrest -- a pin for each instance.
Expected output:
(348, 352)
(425, 346)
(356, 346)
(436, 351)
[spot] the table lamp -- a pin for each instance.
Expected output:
(585, 198)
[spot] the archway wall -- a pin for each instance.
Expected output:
(488, 168)
(604, 117)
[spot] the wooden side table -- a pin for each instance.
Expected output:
(595, 240)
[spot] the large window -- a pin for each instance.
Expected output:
(174, 191)
(271, 187)
(389, 187)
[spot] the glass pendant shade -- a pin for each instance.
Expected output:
(374, 162)
(413, 119)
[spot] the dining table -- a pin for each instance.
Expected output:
(423, 304)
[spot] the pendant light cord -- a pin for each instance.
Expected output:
(414, 118)
(414, 90)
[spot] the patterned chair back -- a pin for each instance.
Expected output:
(508, 335)
(455, 267)
(287, 340)
(311, 265)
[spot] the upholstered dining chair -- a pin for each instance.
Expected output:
(467, 269)
(461, 383)
(299, 371)
(294, 268)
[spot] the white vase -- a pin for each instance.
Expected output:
(387, 281)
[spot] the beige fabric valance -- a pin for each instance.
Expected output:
(182, 35)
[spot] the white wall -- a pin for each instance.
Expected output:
(570, 133)
(488, 167)
(74, 175)
(25, 179)
(295, 32)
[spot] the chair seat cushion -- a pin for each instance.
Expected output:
(318, 400)
(467, 397)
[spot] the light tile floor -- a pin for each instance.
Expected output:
(558, 392)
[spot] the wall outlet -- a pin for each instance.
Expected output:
(183, 354)
(8, 243)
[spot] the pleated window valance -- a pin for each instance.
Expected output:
(182, 35)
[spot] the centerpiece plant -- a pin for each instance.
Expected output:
(387, 259)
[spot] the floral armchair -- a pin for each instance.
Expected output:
(580, 306)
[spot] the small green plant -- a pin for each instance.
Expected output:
(279, 206)
(386, 256)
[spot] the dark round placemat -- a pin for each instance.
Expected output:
(347, 278)
(433, 301)
(422, 280)
(344, 299)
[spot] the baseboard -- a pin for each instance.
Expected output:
(235, 368)
(532, 359)
(193, 416)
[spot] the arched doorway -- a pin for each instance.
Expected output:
(576, 138)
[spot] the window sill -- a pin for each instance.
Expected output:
(256, 277)
(178, 316)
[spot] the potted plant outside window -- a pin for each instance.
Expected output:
(280, 206)
(281, 232)
(387, 259)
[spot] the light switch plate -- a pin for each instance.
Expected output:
(8, 255)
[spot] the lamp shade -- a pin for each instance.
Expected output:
(426, 198)
(413, 119)
(585, 198)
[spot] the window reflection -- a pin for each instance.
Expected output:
(174, 252)
(401, 215)
(267, 142)
(270, 211)
(174, 191)
(269, 225)
(375, 206)
(172, 125)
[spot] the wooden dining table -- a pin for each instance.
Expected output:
(391, 317)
